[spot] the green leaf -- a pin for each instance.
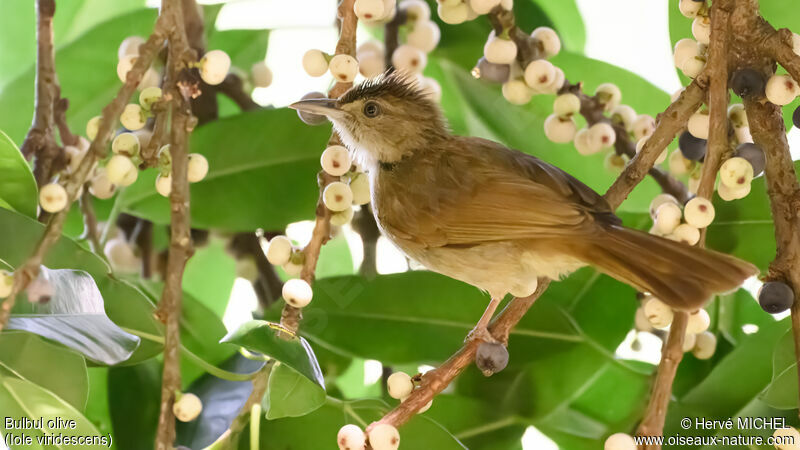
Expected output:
(222, 402)
(294, 351)
(86, 71)
(22, 399)
(739, 309)
(290, 394)
(209, 276)
(781, 392)
(75, 317)
(17, 185)
(59, 370)
(245, 47)
(267, 158)
(73, 18)
(319, 429)
(134, 396)
(97, 407)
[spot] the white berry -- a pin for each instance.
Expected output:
(453, 14)
(517, 92)
(101, 187)
(782, 89)
(732, 193)
(640, 320)
(132, 117)
(743, 135)
(92, 127)
(409, 59)
(704, 346)
(187, 408)
(370, 56)
(130, 46)
(351, 437)
(701, 29)
(424, 36)
(74, 157)
(698, 322)
(499, 51)
(315, 63)
(549, 40)
(559, 130)
(614, 162)
(609, 95)
(344, 68)
(279, 250)
(678, 164)
(416, 10)
(736, 172)
(668, 217)
(584, 144)
(658, 313)
(566, 105)
(369, 9)
(340, 218)
(121, 256)
(686, 233)
(625, 115)
(335, 160)
(737, 115)
(539, 74)
(689, 8)
(659, 200)
(6, 283)
(149, 96)
(197, 168)
(699, 212)
(683, 50)
(125, 144)
(292, 269)
(214, 66)
(644, 125)
(121, 171)
(53, 197)
(555, 85)
(124, 65)
(620, 441)
(337, 196)
(698, 125)
(383, 436)
(261, 74)
(399, 385)
(602, 134)
(483, 6)
(692, 67)
(359, 186)
(297, 293)
(164, 185)
(688, 341)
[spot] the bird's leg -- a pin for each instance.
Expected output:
(481, 332)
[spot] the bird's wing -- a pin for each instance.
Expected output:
(488, 193)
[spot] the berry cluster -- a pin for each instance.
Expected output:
(455, 12)
(281, 252)
(653, 313)
(381, 436)
(665, 210)
(351, 189)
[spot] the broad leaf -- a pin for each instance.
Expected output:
(21, 399)
(134, 397)
(59, 370)
(318, 429)
(222, 402)
(267, 158)
(17, 186)
(782, 390)
(209, 276)
(74, 316)
(275, 341)
(290, 394)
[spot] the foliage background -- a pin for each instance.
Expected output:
(573, 378)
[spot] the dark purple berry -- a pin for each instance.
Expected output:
(796, 117)
(309, 118)
(492, 357)
(775, 297)
(692, 148)
(754, 155)
(495, 73)
(747, 83)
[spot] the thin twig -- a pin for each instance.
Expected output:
(233, 88)
(28, 270)
(180, 247)
(290, 316)
(90, 231)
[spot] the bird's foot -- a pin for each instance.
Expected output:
(480, 333)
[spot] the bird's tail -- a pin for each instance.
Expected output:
(682, 276)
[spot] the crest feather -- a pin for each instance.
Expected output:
(395, 83)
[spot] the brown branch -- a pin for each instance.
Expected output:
(159, 137)
(40, 140)
(268, 285)
(291, 316)
(778, 45)
(767, 128)
(391, 37)
(60, 117)
(233, 88)
(180, 248)
(90, 231)
(30, 268)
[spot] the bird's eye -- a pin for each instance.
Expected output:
(372, 109)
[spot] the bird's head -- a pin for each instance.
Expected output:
(383, 119)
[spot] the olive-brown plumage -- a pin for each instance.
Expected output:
(498, 218)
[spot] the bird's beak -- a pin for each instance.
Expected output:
(322, 106)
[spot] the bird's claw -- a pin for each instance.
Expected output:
(480, 333)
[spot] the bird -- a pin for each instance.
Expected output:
(497, 218)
